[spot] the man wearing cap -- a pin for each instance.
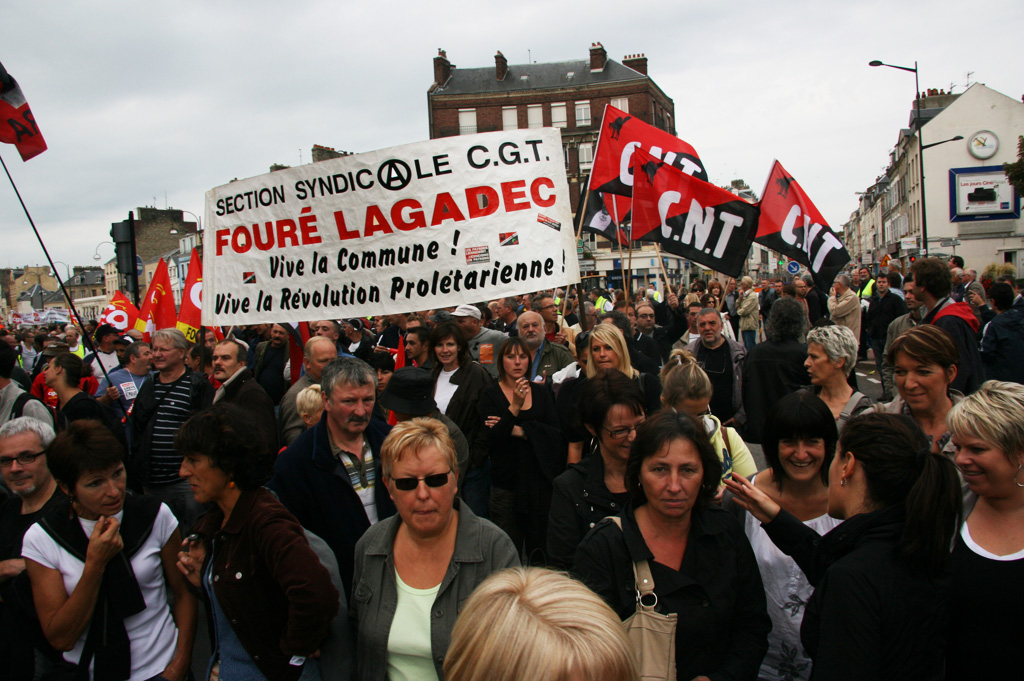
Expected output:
(317, 352)
(106, 353)
(410, 395)
(353, 341)
(484, 343)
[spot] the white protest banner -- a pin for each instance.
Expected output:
(422, 226)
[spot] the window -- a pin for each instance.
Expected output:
(467, 121)
(586, 155)
(582, 114)
(558, 115)
(535, 116)
(565, 151)
(509, 118)
(621, 103)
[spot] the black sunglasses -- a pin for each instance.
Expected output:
(409, 484)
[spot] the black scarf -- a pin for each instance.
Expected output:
(119, 594)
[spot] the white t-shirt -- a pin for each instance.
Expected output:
(410, 656)
(444, 390)
(151, 632)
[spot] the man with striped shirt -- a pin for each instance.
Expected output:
(165, 401)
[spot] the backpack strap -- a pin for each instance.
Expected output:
(642, 576)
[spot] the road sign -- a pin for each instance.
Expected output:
(946, 243)
(138, 266)
(793, 267)
(885, 260)
(588, 265)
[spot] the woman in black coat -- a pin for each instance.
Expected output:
(525, 446)
(880, 578)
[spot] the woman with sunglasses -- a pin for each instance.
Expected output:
(414, 569)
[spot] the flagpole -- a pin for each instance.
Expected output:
(582, 213)
(629, 286)
(661, 263)
(56, 275)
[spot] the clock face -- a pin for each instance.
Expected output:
(983, 144)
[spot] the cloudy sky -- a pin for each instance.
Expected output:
(153, 103)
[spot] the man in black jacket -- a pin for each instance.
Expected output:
(884, 306)
(239, 387)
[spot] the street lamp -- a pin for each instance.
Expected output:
(96, 254)
(199, 222)
(920, 146)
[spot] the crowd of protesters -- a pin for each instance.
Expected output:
(331, 519)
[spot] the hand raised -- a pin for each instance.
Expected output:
(751, 498)
(105, 541)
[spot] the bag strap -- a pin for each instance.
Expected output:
(851, 405)
(641, 571)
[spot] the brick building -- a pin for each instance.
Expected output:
(570, 95)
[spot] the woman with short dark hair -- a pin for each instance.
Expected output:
(270, 599)
(701, 562)
(101, 563)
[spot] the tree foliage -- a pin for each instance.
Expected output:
(1015, 171)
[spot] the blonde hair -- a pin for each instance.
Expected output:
(994, 413)
(309, 400)
(532, 623)
(683, 379)
(412, 437)
(610, 335)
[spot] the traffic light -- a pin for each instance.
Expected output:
(123, 236)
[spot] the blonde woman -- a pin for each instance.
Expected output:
(686, 389)
(310, 405)
(533, 623)
(988, 553)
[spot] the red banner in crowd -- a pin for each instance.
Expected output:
(689, 217)
(120, 313)
(191, 312)
(793, 226)
(158, 306)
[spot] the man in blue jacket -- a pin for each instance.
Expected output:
(330, 477)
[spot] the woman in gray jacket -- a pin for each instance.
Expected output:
(414, 569)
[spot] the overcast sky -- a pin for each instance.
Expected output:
(153, 103)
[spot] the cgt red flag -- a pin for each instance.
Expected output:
(120, 313)
(192, 300)
(689, 217)
(791, 225)
(17, 124)
(158, 305)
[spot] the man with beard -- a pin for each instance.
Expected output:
(548, 357)
(330, 477)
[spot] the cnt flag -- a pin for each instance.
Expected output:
(120, 313)
(192, 299)
(158, 305)
(791, 225)
(621, 133)
(690, 217)
(17, 124)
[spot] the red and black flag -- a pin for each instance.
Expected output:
(791, 225)
(17, 124)
(621, 133)
(689, 217)
(605, 214)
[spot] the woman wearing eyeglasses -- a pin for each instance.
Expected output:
(413, 569)
(610, 408)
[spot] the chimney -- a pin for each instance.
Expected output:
(598, 57)
(637, 62)
(500, 66)
(442, 68)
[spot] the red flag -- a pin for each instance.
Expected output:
(298, 334)
(792, 225)
(190, 314)
(693, 218)
(17, 124)
(158, 305)
(621, 133)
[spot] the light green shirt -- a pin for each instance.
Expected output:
(409, 651)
